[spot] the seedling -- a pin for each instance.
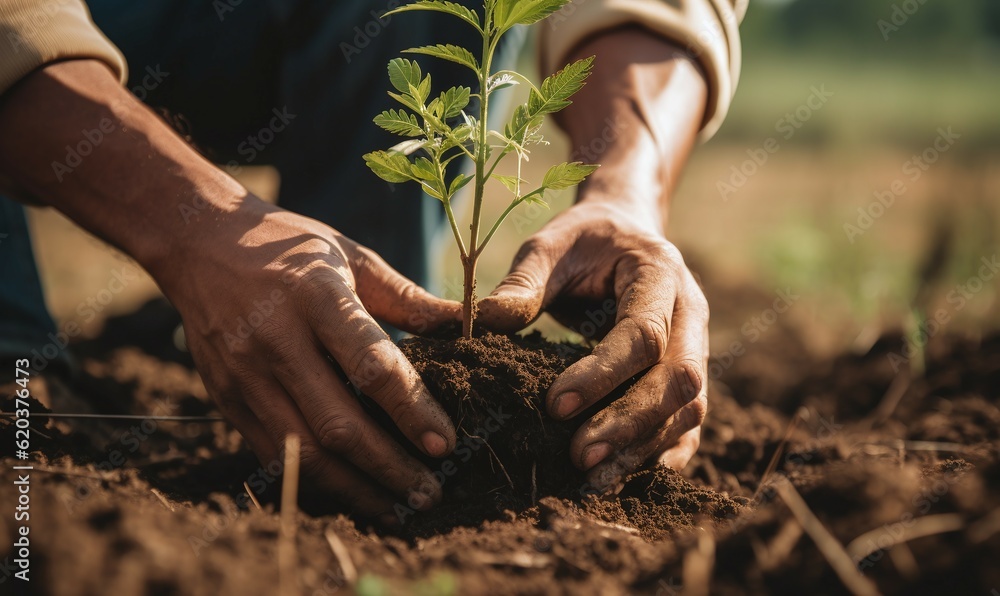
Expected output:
(441, 130)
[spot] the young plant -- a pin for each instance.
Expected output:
(441, 130)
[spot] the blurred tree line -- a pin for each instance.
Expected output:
(912, 29)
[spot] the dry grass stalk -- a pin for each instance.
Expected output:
(287, 567)
(163, 499)
(929, 525)
(253, 497)
(831, 549)
(698, 565)
(343, 557)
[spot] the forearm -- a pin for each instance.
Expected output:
(77, 141)
(638, 116)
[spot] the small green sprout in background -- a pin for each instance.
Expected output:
(441, 131)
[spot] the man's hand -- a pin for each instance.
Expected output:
(584, 256)
(638, 117)
(265, 294)
(264, 303)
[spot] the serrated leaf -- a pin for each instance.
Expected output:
(424, 169)
(421, 90)
(522, 123)
(507, 13)
(454, 100)
(448, 52)
(407, 100)
(511, 182)
(404, 74)
(399, 122)
(390, 166)
(440, 6)
(566, 175)
(552, 96)
(556, 90)
(459, 181)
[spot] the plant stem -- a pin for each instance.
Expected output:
(469, 303)
(469, 262)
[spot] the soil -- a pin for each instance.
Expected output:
(156, 507)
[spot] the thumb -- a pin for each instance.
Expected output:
(524, 292)
(392, 297)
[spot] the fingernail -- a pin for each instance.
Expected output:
(567, 403)
(595, 454)
(434, 444)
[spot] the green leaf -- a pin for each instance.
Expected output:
(400, 123)
(459, 181)
(454, 100)
(390, 166)
(449, 52)
(507, 13)
(511, 182)
(566, 175)
(552, 96)
(441, 6)
(555, 91)
(424, 169)
(422, 90)
(523, 123)
(407, 100)
(404, 74)
(536, 199)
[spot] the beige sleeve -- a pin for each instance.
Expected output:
(34, 33)
(708, 29)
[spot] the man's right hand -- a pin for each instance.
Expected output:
(265, 294)
(264, 302)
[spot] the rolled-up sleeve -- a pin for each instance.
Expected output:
(36, 33)
(707, 29)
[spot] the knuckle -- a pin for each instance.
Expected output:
(538, 243)
(645, 422)
(339, 434)
(688, 380)
(400, 407)
(311, 459)
(697, 300)
(323, 295)
(653, 333)
(695, 412)
(371, 369)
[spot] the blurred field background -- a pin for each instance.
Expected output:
(893, 88)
